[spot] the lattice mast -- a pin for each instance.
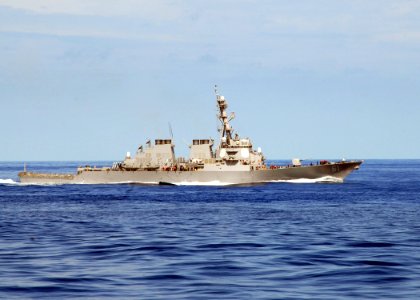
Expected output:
(226, 130)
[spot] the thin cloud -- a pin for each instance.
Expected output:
(91, 34)
(407, 37)
(404, 8)
(157, 9)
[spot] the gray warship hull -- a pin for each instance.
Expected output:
(333, 172)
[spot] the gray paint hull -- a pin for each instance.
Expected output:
(334, 170)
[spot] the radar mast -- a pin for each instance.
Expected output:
(226, 131)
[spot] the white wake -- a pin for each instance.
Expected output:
(9, 182)
(12, 182)
(325, 179)
(207, 183)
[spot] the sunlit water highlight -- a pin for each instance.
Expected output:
(356, 240)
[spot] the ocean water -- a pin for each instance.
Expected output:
(355, 240)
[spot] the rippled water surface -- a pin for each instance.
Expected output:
(356, 240)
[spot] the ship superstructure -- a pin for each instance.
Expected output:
(232, 154)
(234, 161)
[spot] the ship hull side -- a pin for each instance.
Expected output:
(335, 170)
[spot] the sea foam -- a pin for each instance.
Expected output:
(325, 179)
(9, 181)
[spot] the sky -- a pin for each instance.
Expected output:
(91, 80)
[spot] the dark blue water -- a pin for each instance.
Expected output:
(356, 240)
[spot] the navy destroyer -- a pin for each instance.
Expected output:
(234, 161)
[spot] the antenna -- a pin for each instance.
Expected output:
(232, 116)
(219, 129)
(185, 142)
(170, 130)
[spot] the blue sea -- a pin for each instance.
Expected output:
(356, 240)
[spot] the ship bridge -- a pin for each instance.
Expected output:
(234, 150)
